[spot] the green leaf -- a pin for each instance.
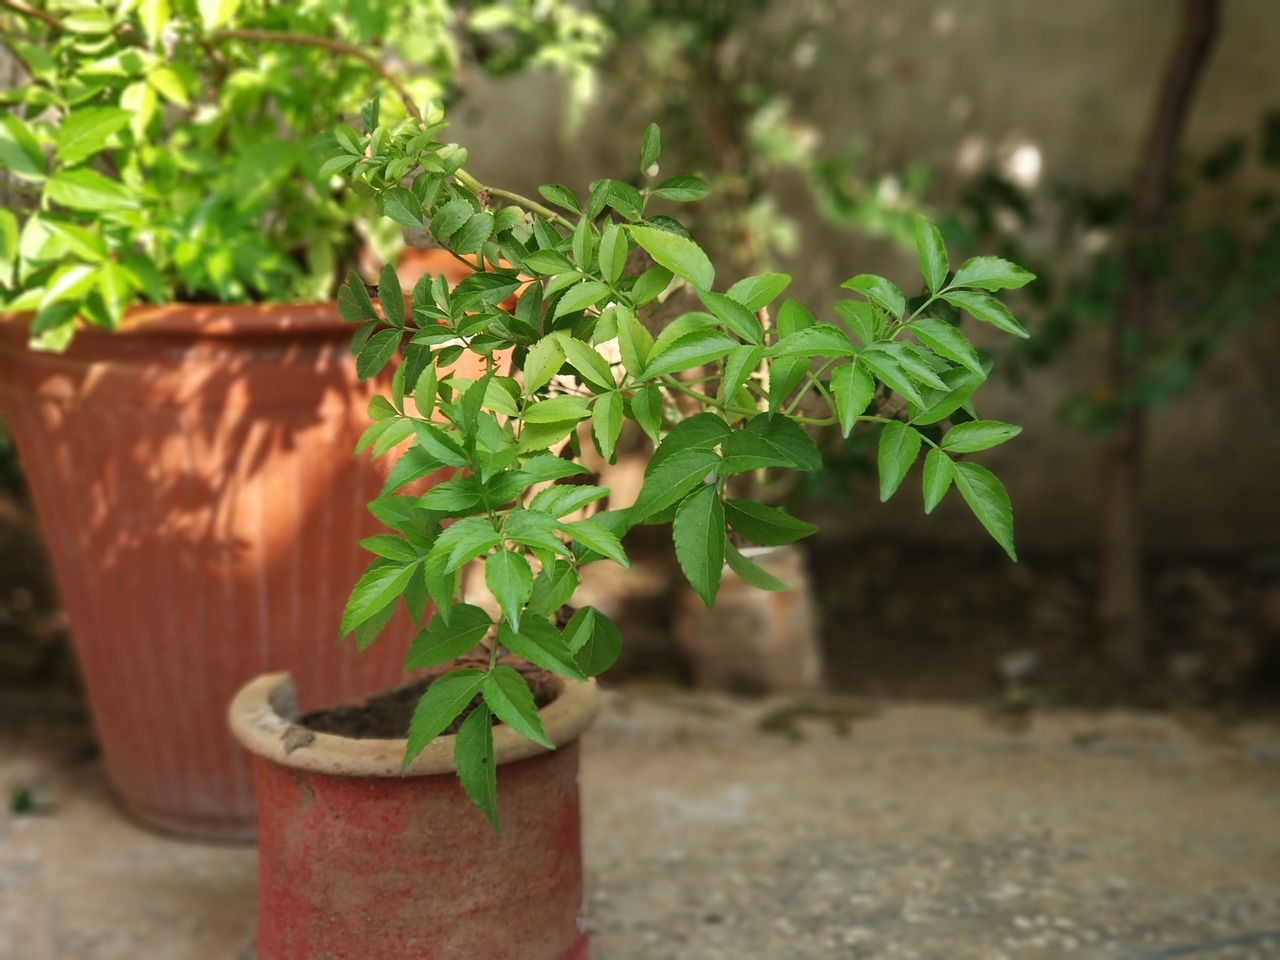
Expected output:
(377, 352)
(474, 234)
(650, 284)
(990, 273)
(543, 362)
(534, 530)
(765, 525)
(698, 532)
(561, 196)
(899, 447)
(756, 293)
(584, 239)
(933, 254)
(335, 165)
(477, 766)
(606, 423)
(671, 480)
(770, 440)
(681, 256)
(938, 473)
(558, 410)
(978, 435)
(822, 340)
(682, 189)
(793, 316)
(8, 245)
(937, 405)
(945, 340)
(20, 152)
(853, 389)
(547, 466)
(390, 295)
(878, 290)
(82, 188)
(863, 319)
(596, 536)
(703, 431)
(634, 341)
(580, 297)
(691, 350)
(441, 642)
(647, 410)
(541, 643)
(613, 253)
(84, 132)
(733, 315)
(450, 218)
(594, 640)
(354, 302)
(553, 587)
(390, 546)
(464, 540)
(510, 579)
(457, 497)
(652, 147)
(439, 444)
(785, 375)
(509, 697)
(750, 572)
(886, 367)
(381, 584)
(400, 205)
(444, 700)
(738, 367)
(562, 498)
(548, 262)
(591, 366)
(989, 502)
(988, 310)
(217, 13)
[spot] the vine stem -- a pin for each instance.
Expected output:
(324, 43)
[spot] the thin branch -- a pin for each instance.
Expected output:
(17, 6)
(326, 43)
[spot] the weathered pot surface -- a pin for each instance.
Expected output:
(358, 858)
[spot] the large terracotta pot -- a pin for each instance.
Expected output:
(194, 477)
(359, 859)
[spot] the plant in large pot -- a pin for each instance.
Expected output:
(346, 822)
(172, 243)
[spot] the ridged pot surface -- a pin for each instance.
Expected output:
(196, 485)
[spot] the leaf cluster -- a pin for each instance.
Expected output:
(555, 309)
(173, 149)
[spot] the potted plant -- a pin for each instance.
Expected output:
(585, 271)
(189, 448)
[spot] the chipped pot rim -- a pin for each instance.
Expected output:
(263, 713)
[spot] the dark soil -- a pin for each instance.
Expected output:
(386, 716)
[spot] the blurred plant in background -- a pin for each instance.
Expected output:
(164, 151)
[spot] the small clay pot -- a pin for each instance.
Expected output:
(358, 858)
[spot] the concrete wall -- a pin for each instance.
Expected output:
(954, 83)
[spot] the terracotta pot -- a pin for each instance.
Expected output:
(194, 477)
(359, 859)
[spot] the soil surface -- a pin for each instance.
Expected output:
(387, 715)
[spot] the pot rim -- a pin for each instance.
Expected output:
(263, 712)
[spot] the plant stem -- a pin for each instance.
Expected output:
(17, 6)
(325, 43)
(475, 186)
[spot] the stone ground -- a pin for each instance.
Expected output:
(719, 828)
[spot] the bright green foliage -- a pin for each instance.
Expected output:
(583, 364)
(177, 149)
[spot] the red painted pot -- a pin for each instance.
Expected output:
(194, 478)
(357, 859)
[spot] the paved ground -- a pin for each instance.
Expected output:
(721, 829)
